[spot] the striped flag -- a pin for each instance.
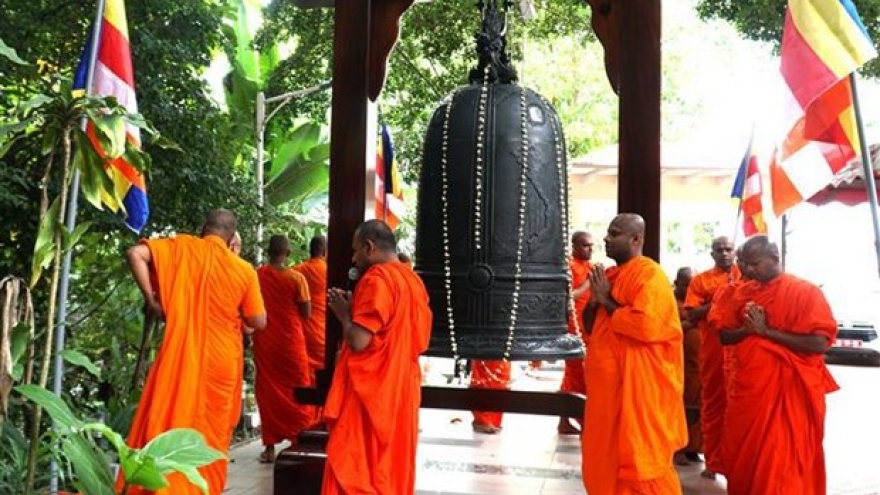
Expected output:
(389, 191)
(749, 189)
(114, 76)
(823, 42)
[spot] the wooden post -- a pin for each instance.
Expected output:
(638, 189)
(348, 135)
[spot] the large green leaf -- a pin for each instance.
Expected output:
(57, 409)
(183, 446)
(91, 169)
(145, 473)
(44, 247)
(77, 358)
(297, 182)
(10, 54)
(91, 468)
(110, 130)
(295, 147)
(69, 240)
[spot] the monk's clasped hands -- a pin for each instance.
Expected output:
(755, 319)
(600, 287)
(339, 302)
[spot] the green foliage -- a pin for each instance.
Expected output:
(763, 20)
(176, 451)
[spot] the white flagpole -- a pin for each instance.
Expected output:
(870, 183)
(72, 205)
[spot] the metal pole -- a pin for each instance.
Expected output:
(259, 128)
(870, 183)
(260, 121)
(72, 206)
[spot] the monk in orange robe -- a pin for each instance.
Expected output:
(573, 378)
(280, 355)
(315, 271)
(691, 370)
(711, 359)
(779, 328)
(202, 290)
(372, 410)
(493, 375)
(634, 420)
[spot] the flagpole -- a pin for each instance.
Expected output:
(72, 206)
(737, 226)
(870, 183)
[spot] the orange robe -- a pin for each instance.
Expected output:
(775, 416)
(372, 409)
(315, 271)
(494, 375)
(691, 379)
(196, 379)
(634, 421)
(280, 356)
(573, 378)
(711, 363)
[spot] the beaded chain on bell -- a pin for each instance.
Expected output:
(491, 301)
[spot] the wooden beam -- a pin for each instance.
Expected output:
(638, 189)
(481, 399)
(348, 145)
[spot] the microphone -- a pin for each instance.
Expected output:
(353, 275)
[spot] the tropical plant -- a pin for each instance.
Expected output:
(180, 450)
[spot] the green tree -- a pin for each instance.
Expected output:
(763, 20)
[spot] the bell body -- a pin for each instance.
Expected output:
(492, 227)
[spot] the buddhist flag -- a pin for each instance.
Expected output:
(389, 191)
(114, 76)
(749, 190)
(823, 42)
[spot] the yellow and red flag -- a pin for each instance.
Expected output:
(114, 76)
(823, 42)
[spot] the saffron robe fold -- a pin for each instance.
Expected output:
(280, 357)
(775, 416)
(195, 382)
(493, 375)
(372, 410)
(315, 271)
(712, 391)
(692, 340)
(573, 377)
(634, 421)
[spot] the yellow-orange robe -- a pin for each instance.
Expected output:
(280, 356)
(315, 271)
(494, 375)
(634, 421)
(775, 416)
(196, 379)
(573, 378)
(372, 409)
(711, 358)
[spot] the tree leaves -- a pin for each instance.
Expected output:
(65, 420)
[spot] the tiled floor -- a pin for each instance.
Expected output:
(529, 458)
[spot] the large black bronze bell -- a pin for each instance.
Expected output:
(492, 229)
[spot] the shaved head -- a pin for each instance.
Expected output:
(318, 246)
(630, 223)
(222, 223)
(761, 259)
(760, 245)
(379, 233)
(723, 253)
(625, 238)
(279, 246)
